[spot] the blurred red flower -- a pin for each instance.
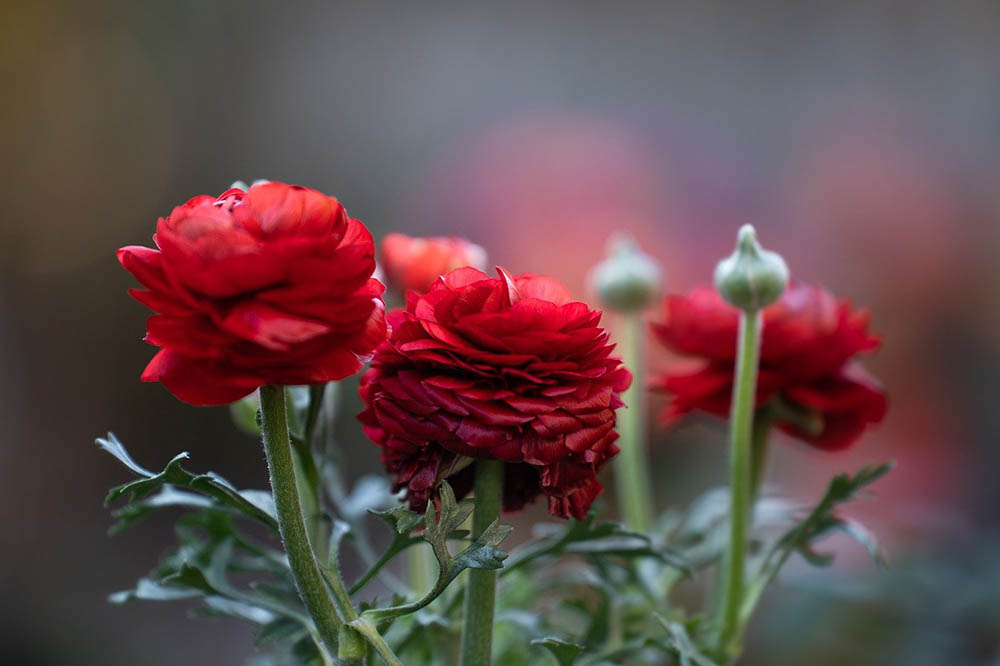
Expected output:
(806, 363)
(414, 263)
(504, 368)
(268, 286)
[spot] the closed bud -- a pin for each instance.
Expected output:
(628, 279)
(241, 184)
(751, 278)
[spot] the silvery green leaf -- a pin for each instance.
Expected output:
(679, 642)
(815, 525)
(369, 493)
(168, 496)
(280, 629)
(589, 537)
(482, 553)
(338, 531)
(237, 609)
(565, 653)
(149, 590)
(400, 518)
(252, 504)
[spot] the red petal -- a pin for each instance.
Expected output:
(146, 264)
(270, 327)
(543, 288)
(197, 381)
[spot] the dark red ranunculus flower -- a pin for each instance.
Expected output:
(505, 368)
(268, 286)
(414, 263)
(807, 361)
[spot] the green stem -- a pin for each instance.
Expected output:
(632, 483)
(291, 523)
(316, 394)
(480, 591)
(353, 648)
(308, 474)
(759, 445)
(375, 638)
(741, 425)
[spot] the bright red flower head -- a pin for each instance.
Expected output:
(268, 286)
(807, 361)
(414, 263)
(504, 368)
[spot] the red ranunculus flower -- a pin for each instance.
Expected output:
(268, 286)
(505, 368)
(809, 342)
(414, 263)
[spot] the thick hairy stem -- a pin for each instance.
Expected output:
(480, 591)
(291, 523)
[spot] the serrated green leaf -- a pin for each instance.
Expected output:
(210, 550)
(483, 552)
(403, 522)
(149, 590)
(679, 641)
(277, 594)
(819, 522)
(588, 537)
(338, 532)
(448, 516)
(400, 519)
(480, 554)
(132, 513)
(565, 653)
(191, 577)
(112, 445)
(857, 531)
(822, 519)
(204, 568)
(279, 630)
(222, 606)
(252, 504)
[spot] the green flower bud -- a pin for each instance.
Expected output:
(241, 184)
(751, 278)
(628, 279)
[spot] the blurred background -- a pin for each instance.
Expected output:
(862, 139)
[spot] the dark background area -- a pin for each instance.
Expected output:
(862, 139)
